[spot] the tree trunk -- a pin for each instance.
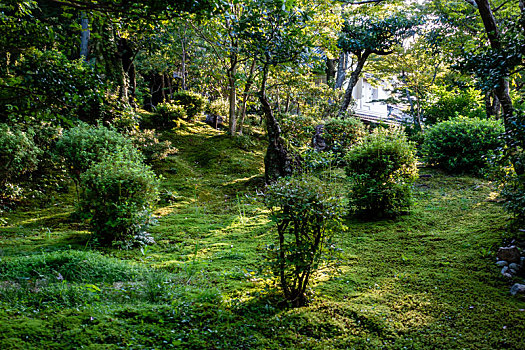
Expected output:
(232, 95)
(246, 96)
(127, 56)
(330, 70)
(341, 70)
(354, 77)
(502, 89)
(278, 162)
(84, 37)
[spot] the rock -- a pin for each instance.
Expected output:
(508, 275)
(514, 266)
(510, 254)
(318, 140)
(504, 270)
(502, 263)
(517, 288)
(522, 260)
(215, 121)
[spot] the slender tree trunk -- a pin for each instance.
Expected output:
(232, 95)
(342, 65)
(84, 37)
(126, 54)
(246, 96)
(287, 106)
(354, 77)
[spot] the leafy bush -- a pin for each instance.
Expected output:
(167, 115)
(448, 104)
(148, 144)
(307, 214)
(341, 134)
(382, 169)
(53, 87)
(463, 145)
(84, 145)
(192, 102)
(297, 130)
(18, 156)
(514, 181)
(118, 195)
(218, 107)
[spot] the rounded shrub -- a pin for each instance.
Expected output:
(341, 134)
(18, 155)
(147, 142)
(463, 145)
(118, 196)
(448, 104)
(167, 115)
(192, 102)
(297, 130)
(84, 145)
(306, 213)
(382, 169)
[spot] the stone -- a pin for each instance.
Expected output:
(318, 140)
(514, 266)
(215, 121)
(504, 270)
(510, 254)
(502, 263)
(508, 275)
(517, 288)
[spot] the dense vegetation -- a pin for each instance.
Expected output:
(193, 174)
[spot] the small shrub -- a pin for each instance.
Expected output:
(448, 104)
(84, 145)
(148, 144)
(167, 116)
(118, 196)
(463, 145)
(297, 130)
(218, 107)
(307, 214)
(192, 102)
(341, 134)
(18, 156)
(382, 169)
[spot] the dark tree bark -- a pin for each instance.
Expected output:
(354, 77)
(342, 66)
(330, 70)
(492, 105)
(84, 37)
(278, 161)
(502, 89)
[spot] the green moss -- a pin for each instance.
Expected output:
(423, 281)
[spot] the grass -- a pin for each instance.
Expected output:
(424, 281)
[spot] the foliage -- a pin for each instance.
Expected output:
(341, 134)
(18, 155)
(382, 169)
(147, 142)
(167, 115)
(218, 107)
(84, 145)
(448, 104)
(118, 195)
(192, 102)
(298, 130)
(307, 214)
(52, 86)
(463, 145)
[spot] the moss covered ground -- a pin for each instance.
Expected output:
(424, 281)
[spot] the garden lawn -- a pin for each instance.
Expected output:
(424, 281)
